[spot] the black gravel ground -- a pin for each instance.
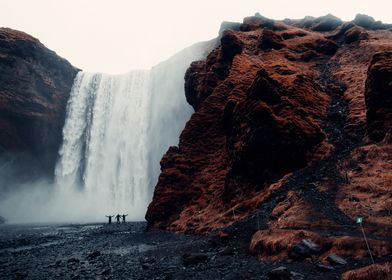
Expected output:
(126, 251)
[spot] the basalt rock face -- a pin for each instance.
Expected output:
(290, 140)
(34, 87)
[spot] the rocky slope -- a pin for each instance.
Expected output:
(34, 87)
(290, 141)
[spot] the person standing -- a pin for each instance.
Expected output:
(118, 217)
(123, 217)
(110, 219)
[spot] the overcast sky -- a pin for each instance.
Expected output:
(118, 35)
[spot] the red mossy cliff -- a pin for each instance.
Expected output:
(34, 88)
(291, 132)
(274, 97)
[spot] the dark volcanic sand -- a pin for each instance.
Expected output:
(127, 252)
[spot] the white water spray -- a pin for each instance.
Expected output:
(105, 141)
(117, 129)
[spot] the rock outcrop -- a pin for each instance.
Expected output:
(34, 87)
(290, 141)
(274, 97)
(258, 117)
(371, 272)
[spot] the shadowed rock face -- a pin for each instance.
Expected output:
(34, 87)
(379, 96)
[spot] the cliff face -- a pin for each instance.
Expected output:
(291, 131)
(34, 87)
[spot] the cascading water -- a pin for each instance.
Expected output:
(117, 128)
(105, 140)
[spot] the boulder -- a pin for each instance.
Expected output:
(324, 267)
(304, 249)
(280, 273)
(336, 260)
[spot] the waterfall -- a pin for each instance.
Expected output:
(118, 127)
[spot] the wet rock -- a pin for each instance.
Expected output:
(336, 260)
(306, 248)
(297, 276)
(93, 255)
(194, 258)
(280, 273)
(323, 267)
(73, 260)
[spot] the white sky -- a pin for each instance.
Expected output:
(119, 35)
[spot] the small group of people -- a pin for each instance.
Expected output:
(118, 218)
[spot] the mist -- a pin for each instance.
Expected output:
(43, 202)
(116, 131)
(28, 195)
